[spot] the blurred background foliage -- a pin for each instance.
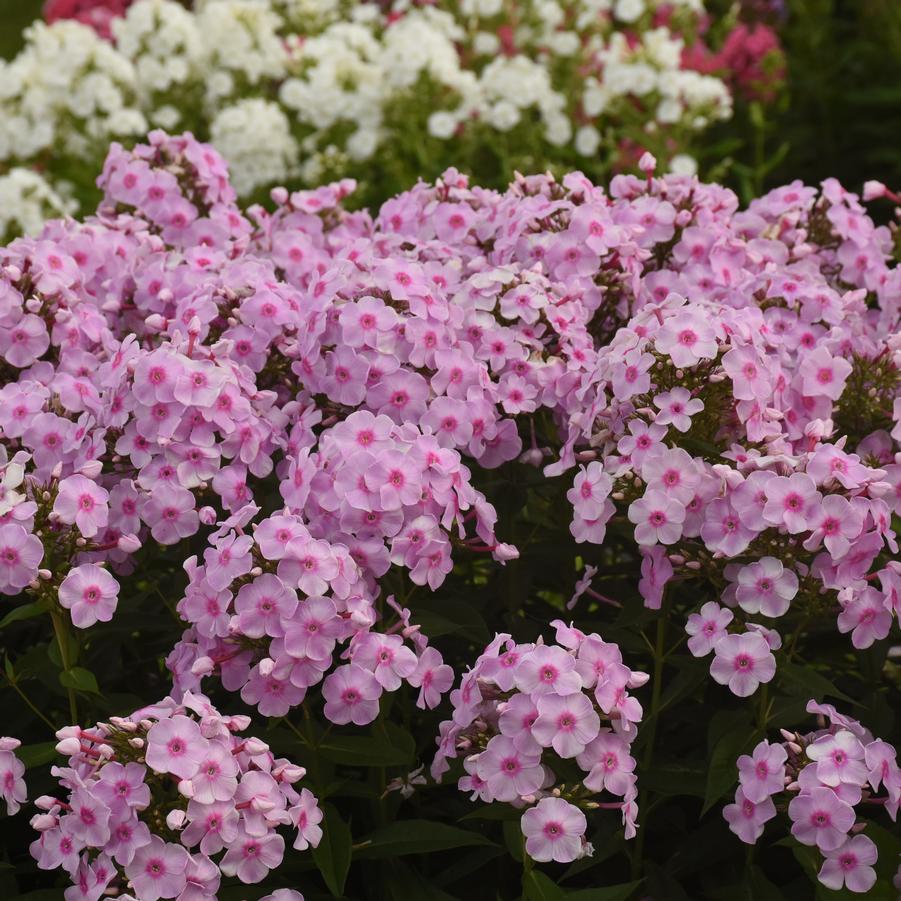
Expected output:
(838, 115)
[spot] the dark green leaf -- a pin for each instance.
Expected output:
(621, 892)
(797, 678)
(80, 679)
(37, 755)
(721, 770)
(332, 857)
(26, 611)
(538, 887)
(417, 837)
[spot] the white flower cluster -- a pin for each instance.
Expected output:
(27, 201)
(298, 90)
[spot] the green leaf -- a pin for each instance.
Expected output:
(721, 770)
(394, 747)
(26, 611)
(493, 812)
(605, 892)
(333, 854)
(37, 755)
(80, 679)
(417, 837)
(538, 887)
(793, 676)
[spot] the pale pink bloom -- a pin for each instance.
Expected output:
(763, 773)
(835, 523)
(742, 662)
(657, 517)
(90, 594)
(83, 503)
(707, 628)
(20, 555)
(676, 408)
(641, 440)
(263, 604)
(608, 763)
(791, 502)
(821, 818)
(823, 374)
(251, 857)
(169, 511)
(850, 865)
(656, 571)
(546, 669)
(766, 587)
(751, 380)
(687, 337)
(216, 776)
(565, 723)
(351, 695)
(865, 616)
(176, 746)
(746, 819)
(433, 677)
(386, 657)
(12, 772)
(158, 870)
(554, 830)
(306, 815)
(517, 716)
(509, 773)
(839, 758)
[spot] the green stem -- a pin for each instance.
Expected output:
(62, 641)
(28, 701)
(651, 725)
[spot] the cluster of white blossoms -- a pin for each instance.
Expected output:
(27, 201)
(295, 91)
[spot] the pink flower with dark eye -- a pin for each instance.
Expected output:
(676, 408)
(835, 523)
(433, 677)
(707, 628)
(251, 857)
(608, 763)
(746, 819)
(263, 604)
(821, 818)
(387, 658)
(687, 337)
(742, 662)
(306, 816)
(12, 771)
(20, 555)
(763, 773)
(554, 830)
(82, 503)
(170, 513)
(792, 502)
(351, 696)
(865, 616)
(313, 629)
(509, 774)
(565, 723)
(657, 517)
(850, 865)
(822, 374)
(216, 775)
(547, 669)
(157, 870)
(839, 758)
(176, 746)
(766, 587)
(90, 594)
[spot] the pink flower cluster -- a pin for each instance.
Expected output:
(269, 610)
(151, 801)
(821, 777)
(522, 711)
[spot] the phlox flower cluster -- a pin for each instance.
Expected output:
(820, 779)
(270, 613)
(165, 802)
(749, 433)
(524, 713)
(300, 92)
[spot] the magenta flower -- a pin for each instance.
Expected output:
(25, 342)
(707, 628)
(90, 594)
(865, 616)
(763, 773)
(20, 555)
(306, 816)
(82, 503)
(566, 723)
(157, 870)
(821, 818)
(554, 830)
(742, 662)
(170, 513)
(176, 746)
(433, 677)
(746, 819)
(351, 695)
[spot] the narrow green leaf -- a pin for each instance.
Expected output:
(794, 676)
(332, 857)
(417, 837)
(37, 755)
(722, 773)
(538, 887)
(26, 611)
